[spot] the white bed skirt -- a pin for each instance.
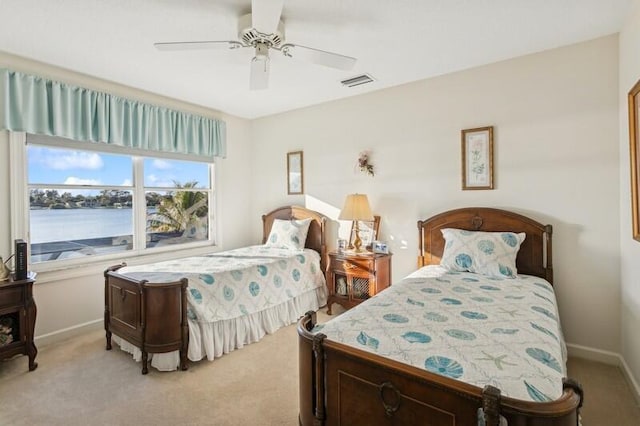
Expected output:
(212, 340)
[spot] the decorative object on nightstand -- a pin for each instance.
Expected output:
(18, 319)
(342, 244)
(356, 208)
(4, 271)
(353, 278)
(379, 247)
(368, 232)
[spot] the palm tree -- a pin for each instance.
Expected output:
(180, 209)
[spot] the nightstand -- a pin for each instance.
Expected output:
(353, 278)
(18, 313)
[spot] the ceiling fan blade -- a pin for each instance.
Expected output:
(259, 79)
(317, 56)
(197, 45)
(265, 15)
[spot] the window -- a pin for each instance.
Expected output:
(177, 201)
(83, 202)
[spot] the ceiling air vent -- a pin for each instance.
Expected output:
(357, 80)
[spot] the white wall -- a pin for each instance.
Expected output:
(630, 249)
(70, 298)
(556, 160)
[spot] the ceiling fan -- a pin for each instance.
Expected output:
(263, 30)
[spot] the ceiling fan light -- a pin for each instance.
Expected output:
(261, 63)
(262, 51)
(259, 76)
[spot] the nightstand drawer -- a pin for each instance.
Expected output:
(353, 264)
(12, 297)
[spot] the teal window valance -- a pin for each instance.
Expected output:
(37, 105)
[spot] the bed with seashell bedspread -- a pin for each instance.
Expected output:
(205, 306)
(445, 345)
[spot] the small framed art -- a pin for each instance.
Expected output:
(634, 150)
(295, 181)
(477, 158)
(368, 231)
(380, 247)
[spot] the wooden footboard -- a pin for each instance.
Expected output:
(343, 385)
(151, 316)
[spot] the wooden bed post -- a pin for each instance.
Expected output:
(184, 348)
(107, 311)
(318, 353)
(491, 405)
(143, 326)
(420, 245)
(548, 232)
(576, 387)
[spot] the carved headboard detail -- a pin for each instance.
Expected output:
(316, 237)
(534, 256)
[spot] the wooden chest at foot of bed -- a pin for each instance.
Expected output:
(151, 316)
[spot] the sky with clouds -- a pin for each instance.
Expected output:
(67, 166)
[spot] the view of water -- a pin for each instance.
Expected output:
(75, 224)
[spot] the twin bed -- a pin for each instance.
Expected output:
(443, 346)
(206, 306)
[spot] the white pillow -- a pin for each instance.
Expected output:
(288, 233)
(487, 253)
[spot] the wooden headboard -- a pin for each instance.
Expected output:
(316, 237)
(534, 256)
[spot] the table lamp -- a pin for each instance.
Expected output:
(356, 208)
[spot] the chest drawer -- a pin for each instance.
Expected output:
(11, 297)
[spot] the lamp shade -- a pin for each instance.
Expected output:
(356, 207)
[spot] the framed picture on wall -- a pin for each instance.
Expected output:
(295, 181)
(477, 158)
(634, 139)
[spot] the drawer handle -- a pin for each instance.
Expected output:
(349, 266)
(392, 406)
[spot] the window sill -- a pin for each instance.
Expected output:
(56, 272)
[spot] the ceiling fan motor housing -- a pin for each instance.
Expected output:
(250, 36)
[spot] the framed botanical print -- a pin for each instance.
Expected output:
(477, 158)
(634, 139)
(295, 181)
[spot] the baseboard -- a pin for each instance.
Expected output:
(67, 333)
(593, 354)
(607, 357)
(633, 384)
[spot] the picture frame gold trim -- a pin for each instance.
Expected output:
(295, 173)
(634, 139)
(477, 158)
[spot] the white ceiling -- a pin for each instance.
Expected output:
(395, 41)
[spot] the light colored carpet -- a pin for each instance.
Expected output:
(80, 383)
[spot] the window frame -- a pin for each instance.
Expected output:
(20, 206)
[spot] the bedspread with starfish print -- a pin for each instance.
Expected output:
(480, 330)
(238, 282)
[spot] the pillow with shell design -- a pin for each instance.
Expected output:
(290, 234)
(487, 253)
